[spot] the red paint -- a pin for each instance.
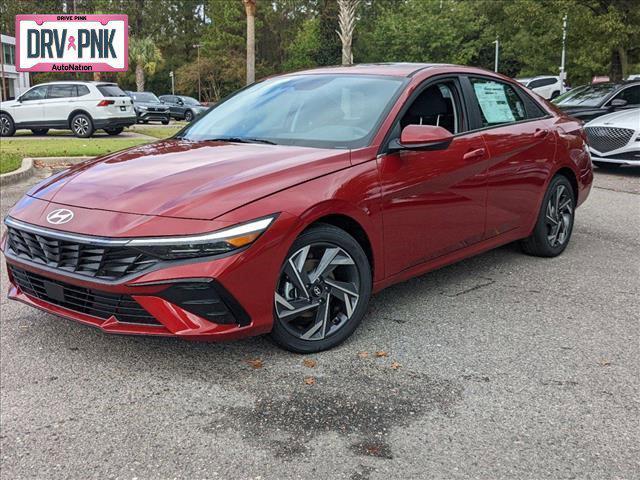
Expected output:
(421, 209)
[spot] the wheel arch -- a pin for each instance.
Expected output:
(570, 175)
(76, 112)
(353, 228)
(8, 114)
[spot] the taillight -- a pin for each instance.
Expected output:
(105, 103)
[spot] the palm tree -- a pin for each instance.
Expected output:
(347, 23)
(250, 9)
(144, 54)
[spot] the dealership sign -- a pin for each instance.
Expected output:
(76, 43)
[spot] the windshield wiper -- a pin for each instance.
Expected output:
(241, 140)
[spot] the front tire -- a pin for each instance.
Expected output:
(39, 131)
(555, 221)
(165, 122)
(7, 127)
(323, 290)
(82, 126)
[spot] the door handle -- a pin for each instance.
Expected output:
(470, 155)
(539, 133)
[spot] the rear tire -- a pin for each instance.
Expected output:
(39, 131)
(554, 226)
(607, 165)
(165, 122)
(114, 131)
(7, 127)
(323, 291)
(188, 116)
(82, 126)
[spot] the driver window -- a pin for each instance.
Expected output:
(631, 95)
(436, 105)
(37, 93)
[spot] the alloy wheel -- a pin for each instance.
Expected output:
(5, 126)
(80, 126)
(559, 216)
(318, 291)
(188, 116)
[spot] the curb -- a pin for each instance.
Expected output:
(15, 176)
(26, 170)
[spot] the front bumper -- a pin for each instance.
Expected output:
(147, 116)
(242, 284)
(629, 157)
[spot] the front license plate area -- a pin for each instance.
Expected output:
(54, 291)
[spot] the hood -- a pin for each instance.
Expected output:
(622, 119)
(183, 179)
(151, 104)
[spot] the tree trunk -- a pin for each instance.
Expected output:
(250, 9)
(347, 24)
(624, 62)
(139, 78)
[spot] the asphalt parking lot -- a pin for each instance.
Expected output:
(502, 366)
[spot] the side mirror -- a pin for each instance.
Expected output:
(422, 137)
(180, 102)
(618, 102)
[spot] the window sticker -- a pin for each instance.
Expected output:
(493, 102)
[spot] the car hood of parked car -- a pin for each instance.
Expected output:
(160, 105)
(184, 179)
(622, 119)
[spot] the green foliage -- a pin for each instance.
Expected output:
(603, 36)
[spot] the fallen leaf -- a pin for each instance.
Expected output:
(363, 354)
(382, 354)
(310, 380)
(257, 363)
(605, 362)
(309, 363)
(395, 365)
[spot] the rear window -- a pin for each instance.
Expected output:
(111, 91)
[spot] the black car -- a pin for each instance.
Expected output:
(149, 108)
(591, 101)
(182, 107)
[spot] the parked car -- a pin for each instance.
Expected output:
(149, 108)
(614, 139)
(633, 77)
(82, 107)
(182, 107)
(591, 101)
(547, 86)
(285, 206)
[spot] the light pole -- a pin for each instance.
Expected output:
(495, 63)
(563, 73)
(173, 89)
(197, 46)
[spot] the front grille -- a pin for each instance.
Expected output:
(83, 300)
(96, 261)
(606, 139)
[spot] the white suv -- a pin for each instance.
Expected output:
(547, 86)
(82, 107)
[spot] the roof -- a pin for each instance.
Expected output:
(81, 82)
(393, 69)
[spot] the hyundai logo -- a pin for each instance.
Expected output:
(57, 217)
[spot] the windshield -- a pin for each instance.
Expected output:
(332, 111)
(144, 97)
(587, 96)
(190, 101)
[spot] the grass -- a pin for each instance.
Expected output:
(12, 151)
(158, 132)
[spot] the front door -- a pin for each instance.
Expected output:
(30, 109)
(433, 200)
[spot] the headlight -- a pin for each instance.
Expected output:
(206, 244)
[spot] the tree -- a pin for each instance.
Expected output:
(144, 54)
(250, 9)
(347, 23)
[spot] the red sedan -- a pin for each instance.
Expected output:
(287, 205)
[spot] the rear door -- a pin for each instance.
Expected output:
(521, 144)
(59, 103)
(433, 200)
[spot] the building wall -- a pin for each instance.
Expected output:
(15, 83)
